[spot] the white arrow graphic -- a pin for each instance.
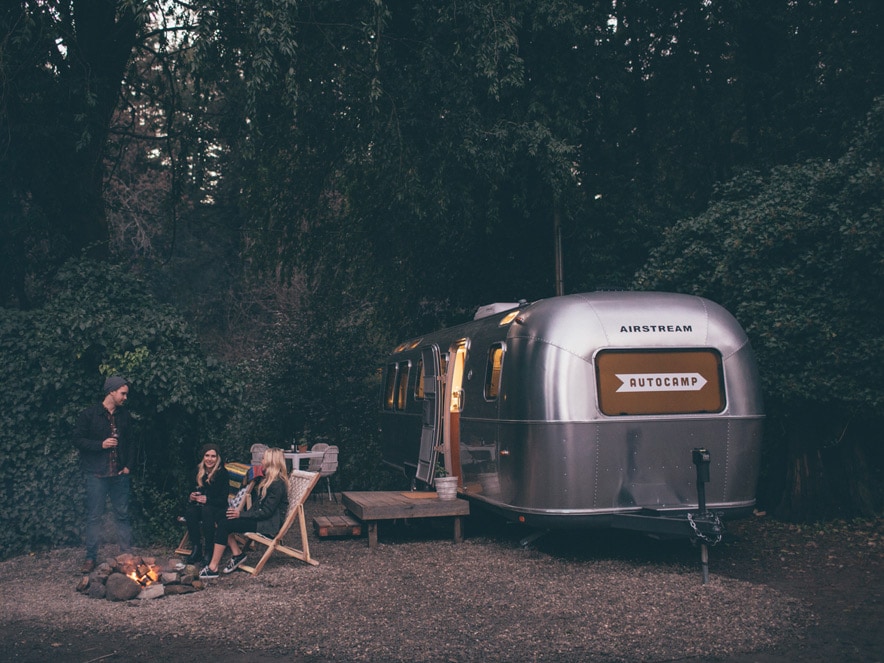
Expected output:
(660, 382)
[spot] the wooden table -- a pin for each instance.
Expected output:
(374, 506)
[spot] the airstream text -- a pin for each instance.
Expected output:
(627, 329)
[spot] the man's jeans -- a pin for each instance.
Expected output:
(98, 489)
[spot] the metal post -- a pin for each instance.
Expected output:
(557, 238)
(701, 460)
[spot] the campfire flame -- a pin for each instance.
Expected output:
(144, 576)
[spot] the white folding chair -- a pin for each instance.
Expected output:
(329, 467)
(315, 464)
(258, 453)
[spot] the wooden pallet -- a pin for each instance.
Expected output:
(336, 526)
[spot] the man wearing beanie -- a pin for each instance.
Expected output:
(106, 457)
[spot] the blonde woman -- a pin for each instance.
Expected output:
(207, 504)
(271, 505)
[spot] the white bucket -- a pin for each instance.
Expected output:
(446, 487)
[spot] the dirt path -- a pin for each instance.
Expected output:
(835, 569)
(776, 593)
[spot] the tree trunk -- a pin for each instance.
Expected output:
(828, 472)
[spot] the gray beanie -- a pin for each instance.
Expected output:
(113, 383)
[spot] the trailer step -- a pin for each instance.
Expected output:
(336, 526)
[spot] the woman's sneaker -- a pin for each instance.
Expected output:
(234, 563)
(207, 573)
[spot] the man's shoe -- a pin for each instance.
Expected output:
(195, 557)
(88, 566)
(234, 562)
(208, 574)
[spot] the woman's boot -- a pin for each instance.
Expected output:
(196, 555)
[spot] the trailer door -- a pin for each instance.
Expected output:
(455, 405)
(431, 421)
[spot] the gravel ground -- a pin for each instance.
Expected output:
(592, 597)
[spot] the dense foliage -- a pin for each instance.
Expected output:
(100, 321)
(60, 69)
(321, 370)
(434, 144)
(798, 256)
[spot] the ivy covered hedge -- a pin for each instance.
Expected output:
(797, 255)
(100, 320)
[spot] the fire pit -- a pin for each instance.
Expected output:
(128, 577)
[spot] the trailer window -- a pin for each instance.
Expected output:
(390, 386)
(419, 383)
(492, 371)
(396, 385)
(633, 382)
(402, 384)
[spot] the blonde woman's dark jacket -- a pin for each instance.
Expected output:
(271, 511)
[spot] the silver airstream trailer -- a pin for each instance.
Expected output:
(605, 409)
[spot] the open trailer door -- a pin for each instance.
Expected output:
(431, 419)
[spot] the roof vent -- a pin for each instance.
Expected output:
(494, 309)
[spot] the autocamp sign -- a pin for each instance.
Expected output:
(659, 381)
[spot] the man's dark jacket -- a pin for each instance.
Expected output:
(93, 428)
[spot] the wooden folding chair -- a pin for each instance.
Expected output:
(300, 485)
(184, 547)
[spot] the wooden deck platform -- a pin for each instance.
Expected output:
(374, 506)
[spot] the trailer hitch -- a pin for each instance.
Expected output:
(706, 527)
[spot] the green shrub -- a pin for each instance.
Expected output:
(797, 255)
(100, 320)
